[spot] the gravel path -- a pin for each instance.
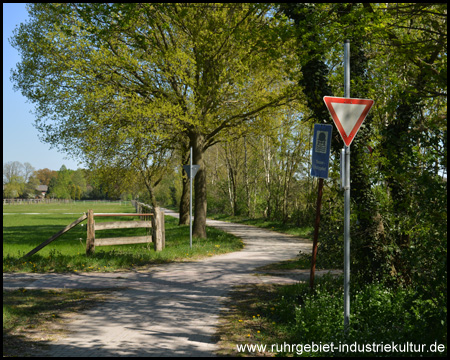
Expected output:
(169, 310)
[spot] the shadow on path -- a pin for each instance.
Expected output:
(170, 310)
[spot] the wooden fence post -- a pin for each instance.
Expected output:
(163, 229)
(90, 239)
(158, 229)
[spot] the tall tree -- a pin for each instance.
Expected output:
(59, 187)
(28, 170)
(181, 75)
(399, 57)
(44, 175)
(12, 170)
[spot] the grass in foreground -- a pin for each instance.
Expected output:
(280, 320)
(31, 318)
(21, 233)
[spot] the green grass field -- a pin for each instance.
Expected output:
(28, 225)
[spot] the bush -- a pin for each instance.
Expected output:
(379, 315)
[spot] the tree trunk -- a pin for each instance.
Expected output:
(268, 210)
(247, 185)
(231, 177)
(199, 226)
(149, 186)
(184, 201)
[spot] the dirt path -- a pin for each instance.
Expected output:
(169, 310)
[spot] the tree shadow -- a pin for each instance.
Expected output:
(20, 346)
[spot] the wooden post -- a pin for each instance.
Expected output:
(158, 229)
(163, 229)
(148, 231)
(316, 234)
(90, 239)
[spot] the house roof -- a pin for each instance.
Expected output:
(42, 188)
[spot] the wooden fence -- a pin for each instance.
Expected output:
(156, 222)
(159, 230)
(61, 201)
(36, 201)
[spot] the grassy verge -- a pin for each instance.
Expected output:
(246, 321)
(284, 320)
(32, 318)
(21, 233)
(303, 261)
(291, 229)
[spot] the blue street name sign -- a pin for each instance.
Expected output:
(321, 150)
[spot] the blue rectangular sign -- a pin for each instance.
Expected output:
(321, 150)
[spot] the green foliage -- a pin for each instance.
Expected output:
(68, 184)
(126, 93)
(264, 174)
(14, 188)
(398, 195)
(380, 315)
(385, 321)
(168, 191)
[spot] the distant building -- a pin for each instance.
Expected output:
(42, 189)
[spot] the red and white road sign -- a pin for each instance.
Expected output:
(348, 114)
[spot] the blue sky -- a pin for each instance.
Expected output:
(20, 139)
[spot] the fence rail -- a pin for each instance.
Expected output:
(117, 214)
(54, 237)
(123, 240)
(123, 225)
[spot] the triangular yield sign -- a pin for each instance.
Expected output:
(187, 168)
(348, 114)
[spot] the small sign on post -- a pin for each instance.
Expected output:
(319, 168)
(321, 150)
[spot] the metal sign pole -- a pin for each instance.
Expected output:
(346, 168)
(316, 234)
(347, 240)
(190, 201)
(191, 170)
